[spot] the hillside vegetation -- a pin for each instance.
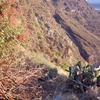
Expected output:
(42, 38)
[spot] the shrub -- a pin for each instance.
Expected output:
(7, 35)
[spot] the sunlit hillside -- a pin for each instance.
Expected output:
(49, 50)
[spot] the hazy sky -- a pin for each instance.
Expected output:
(93, 1)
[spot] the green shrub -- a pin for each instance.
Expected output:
(7, 35)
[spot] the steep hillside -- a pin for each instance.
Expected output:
(82, 12)
(58, 33)
(38, 35)
(51, 29)
(47, 36)
(82, 20)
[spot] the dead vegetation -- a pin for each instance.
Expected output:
(25, 79)
(28, 74)
(18, 82)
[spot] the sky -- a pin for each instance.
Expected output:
(94, 1)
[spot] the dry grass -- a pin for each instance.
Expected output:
(16, 81)
(19, 80)
(19, 73)
(47, 48)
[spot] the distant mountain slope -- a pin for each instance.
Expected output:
(96, 7)
(83, 20)
(82, 12)
(64, 30)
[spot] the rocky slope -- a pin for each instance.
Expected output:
(65, 31)
(36, 35)
(83, 13)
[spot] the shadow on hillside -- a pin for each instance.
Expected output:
(60, 88)
(72, 36)
(34, 81)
